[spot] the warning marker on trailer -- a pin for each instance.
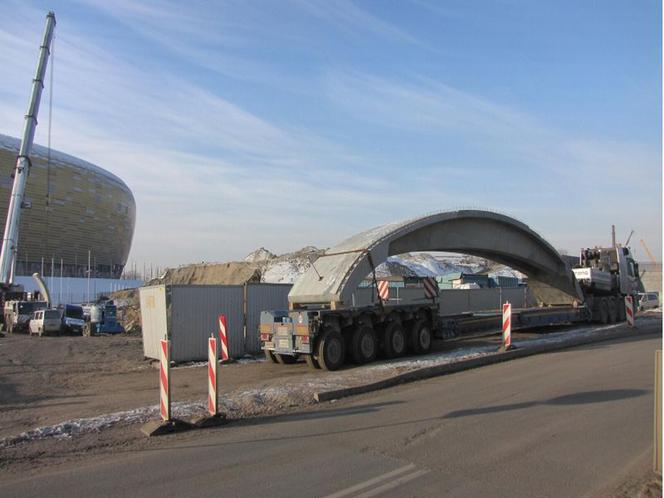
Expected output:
(629, 310)
(384, 290)
(430, 287)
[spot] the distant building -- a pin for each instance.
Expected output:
(77, 208)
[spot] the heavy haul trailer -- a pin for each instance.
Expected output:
(326, 334)
(324, 337)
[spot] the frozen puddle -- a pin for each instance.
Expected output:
(276, 399)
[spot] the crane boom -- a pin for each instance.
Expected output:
(10, 237)
(652, 258)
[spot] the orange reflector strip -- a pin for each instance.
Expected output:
(301, 329)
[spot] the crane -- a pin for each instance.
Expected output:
(645, 247)
(22, 169)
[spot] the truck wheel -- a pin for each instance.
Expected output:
(311, 361)
(603, 311)
(622, 314)
(363, 345)
(420, 337)
(285, 359)
(269, 355)
(394, 340)
(331, 350)
(613, 310)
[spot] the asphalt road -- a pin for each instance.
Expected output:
(562, 424)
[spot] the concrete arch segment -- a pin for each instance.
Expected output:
(335, 275)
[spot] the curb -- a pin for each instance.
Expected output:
(460, 366)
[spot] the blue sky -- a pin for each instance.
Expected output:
(240, 124)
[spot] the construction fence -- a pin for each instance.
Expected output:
(188, 314)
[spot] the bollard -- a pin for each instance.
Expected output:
(629, 310)
(164, 381)
(167, 424)
(507, 326)
(214, 417)
(223, 337)
(213, 370)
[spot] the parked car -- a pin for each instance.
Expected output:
(45, 322)
(73, 320)
(648, 300)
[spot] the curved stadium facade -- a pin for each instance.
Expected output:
(89, 211)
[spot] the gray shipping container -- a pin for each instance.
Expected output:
(188, 315)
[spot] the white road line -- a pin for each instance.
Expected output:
(370, 482)
(392, 484)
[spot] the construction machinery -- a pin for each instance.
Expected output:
(9, 290)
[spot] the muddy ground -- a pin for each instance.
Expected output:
(49, 380)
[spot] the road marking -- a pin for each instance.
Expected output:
(370, 482)
(392, 484)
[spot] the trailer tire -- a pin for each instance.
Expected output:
(285, 359)
(420, 337)
(603, 311)
(394, 340)
(363, 344)
(331, 350)
(311, 361)
(269, 355)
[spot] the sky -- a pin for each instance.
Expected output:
(240, 124)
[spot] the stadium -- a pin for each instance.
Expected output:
(74, 210)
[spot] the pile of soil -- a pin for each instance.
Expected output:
(233, 273)
(129, 309)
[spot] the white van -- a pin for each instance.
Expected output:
(648, 301)
(45, 321)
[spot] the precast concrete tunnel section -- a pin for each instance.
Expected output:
(334, 276)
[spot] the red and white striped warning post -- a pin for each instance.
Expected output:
(164, 381)
(629, 310)
(384, 290)
(507, 326)
(223, 337)
(213, 370)
(430, 287)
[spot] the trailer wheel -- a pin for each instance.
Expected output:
(603, 311)
(420, 337)
(269, 355)
(394, 340)
(285, 359)
(331, 350)
(363, 344)
(311, 361)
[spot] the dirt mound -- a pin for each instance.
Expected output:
(234, 273)
(129, 309)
